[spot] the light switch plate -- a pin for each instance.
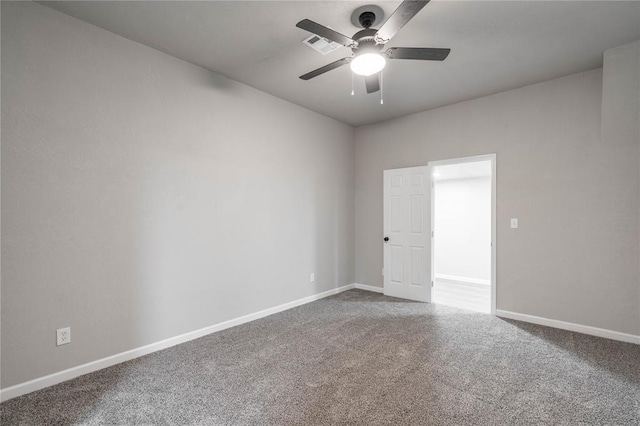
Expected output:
(514, 223)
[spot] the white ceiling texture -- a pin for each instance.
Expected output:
(495, 46)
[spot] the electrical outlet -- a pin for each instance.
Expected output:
(63, 336)
(312, 277)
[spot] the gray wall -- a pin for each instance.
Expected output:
(144, 197)
(462, 213)
(575, 256)
(621, 108)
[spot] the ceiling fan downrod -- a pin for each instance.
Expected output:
(367, 19)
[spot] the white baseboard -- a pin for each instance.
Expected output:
(62, 376)
(585, 329)
(463, 279)
(368, 288)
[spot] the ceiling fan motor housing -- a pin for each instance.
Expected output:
(366, 41)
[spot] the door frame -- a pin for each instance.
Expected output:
(494, 244)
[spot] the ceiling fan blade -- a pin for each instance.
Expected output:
(419, 53)
(399, 19)
(372, 82)
(328, 67)
(328, 33)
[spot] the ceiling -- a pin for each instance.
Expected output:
(495, 46)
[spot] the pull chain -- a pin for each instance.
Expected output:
(381, 86)
(352, 91)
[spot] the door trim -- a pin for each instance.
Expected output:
(494, 244)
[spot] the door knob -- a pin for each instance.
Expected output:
(386, 239)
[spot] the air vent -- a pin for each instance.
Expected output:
(320, 44)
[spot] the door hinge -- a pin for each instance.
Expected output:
(431, 234)
(432, 283)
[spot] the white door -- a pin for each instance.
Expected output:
(407, 233)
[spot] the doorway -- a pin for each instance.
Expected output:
(414, 265)
(463, 216)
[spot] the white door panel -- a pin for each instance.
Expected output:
(407, 225)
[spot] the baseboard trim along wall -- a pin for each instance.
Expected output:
(463, 279)
(584, 329)
(368, 288)
(71, 373)
(578, 328)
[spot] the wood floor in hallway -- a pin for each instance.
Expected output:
(471, 296)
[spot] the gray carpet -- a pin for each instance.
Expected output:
(359, 358)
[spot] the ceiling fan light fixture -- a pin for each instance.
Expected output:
(368, 64)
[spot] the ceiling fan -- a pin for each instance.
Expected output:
(368, 59)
